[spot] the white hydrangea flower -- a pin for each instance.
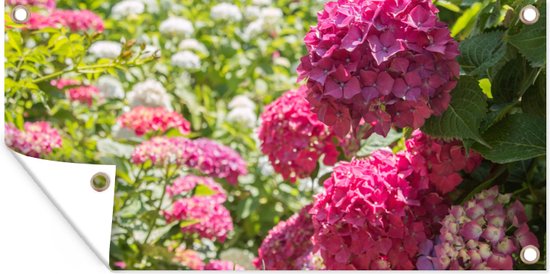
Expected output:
(252, 12)
(106, 146)
(243, 117)
(149, 93)
(122, 133)
(192, 44)
(186, 59)
(271, 15)
(226, 11)
(242, 101)
(152, 5)
(253, 29)
(176, 26)
(262, 2)
(110, 87)
(266, 169)
(106, 49)
(238, 256)
(126, 8)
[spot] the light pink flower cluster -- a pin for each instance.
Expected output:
(189, 258)
(383, 62)
(37, 139)
(187, 184)
(75, 20)
(62, 83)
(222, 265)
(143, 120)
(83, 94)
(50, 4)
(206, 156)
(293, 138)
(210, 219)
(363, 219)
(441, 161)
(477, 235)
(287, 244)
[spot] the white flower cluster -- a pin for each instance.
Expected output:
(126, 8)
(193, 45)
(106, 49)
(242, 111)
(227, 12)
(187, 60)
(262, 2)
(149, 93)
(266, 20)
(110, 87)
(176, 26)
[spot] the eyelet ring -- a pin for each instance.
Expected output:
(529, 15)
(100, 182)
(20, 14)
(529, 254)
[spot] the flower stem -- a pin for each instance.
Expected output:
(153, 223)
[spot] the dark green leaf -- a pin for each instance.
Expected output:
(531, 40)
(512, 80)
(463, 118)
(517, 137)
(534, 99)
(375, 142)
(481, 52)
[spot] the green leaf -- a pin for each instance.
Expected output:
(531, 40)
(203, 190)
(463, 118)
(481, 52)
(517, 137)
(534, 99)
(512, 80)
(466, 19)
(375, 142)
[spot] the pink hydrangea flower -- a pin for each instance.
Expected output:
(64, 82)
(75, 20)
(83, 94)
(50, 4)
(142, 120)
(206, 156)
(476, 235)
(186, 184)
(382, 62)
(210, 219)
(441, 161)
(37, 139)
(287, 242)
(363, 219)
(120, 265)
(293, 138)
(189, 258)
(222, 265)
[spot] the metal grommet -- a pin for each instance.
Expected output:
(20, 14)
(529, 15)
(100, 182)
(530, 254)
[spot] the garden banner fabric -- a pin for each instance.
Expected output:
(286, 134)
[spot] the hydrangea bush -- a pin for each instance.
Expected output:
(296, 135)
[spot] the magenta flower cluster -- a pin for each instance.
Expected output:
(142, 120)
(37, 139)
(206, 156)
(382, 62)
(293, 138)
(206, 217)
(75, 20)
(478, 235)
(50, 4)
(76, 92)
(222, 265)
(185, 185)
(375, 212)
(189, 258)
(288, 244)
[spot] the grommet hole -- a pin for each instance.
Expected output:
(20, 14)
(100, 182)
(529, 254)
(529, 14)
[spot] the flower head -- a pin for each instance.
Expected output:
(222, 265)
(110, 87)
(227, 12)
(293, 137)
(476, 235)
(287, 242)
(75, 20)
(50, 4)
(149, 93)
(37, 139)
(384, 62)
(106, 49)
(187, 60)
(176, 26)
(143, 120)
(208, 218)
(193, 45)
(126, 8)
(188, 258)
(83, 94)
(190, 184)
(163, 151)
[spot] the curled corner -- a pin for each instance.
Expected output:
(69, 188)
